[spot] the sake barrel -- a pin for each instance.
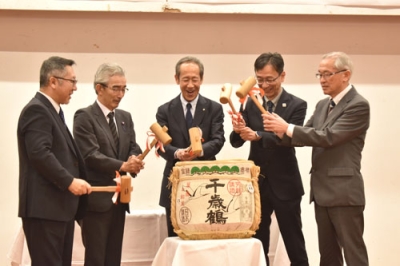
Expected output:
(215, 199)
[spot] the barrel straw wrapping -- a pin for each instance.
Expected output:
(215, 199)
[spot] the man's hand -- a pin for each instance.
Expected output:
(132, 165)
(185, 154)
(248, 134)
(79, 187)
(238, 122)
(275, 123)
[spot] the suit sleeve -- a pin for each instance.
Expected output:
(37, 126)
(216, 139)
(134, 147)
(162, 120)
(297, 118)
(352, 122)
(234, 138)
(87, 141)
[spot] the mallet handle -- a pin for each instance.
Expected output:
(160, 135)
(256, 102)
(143, 155)
(104, 189)
(231, 105)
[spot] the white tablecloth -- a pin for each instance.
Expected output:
(145, 230)
(220, 252)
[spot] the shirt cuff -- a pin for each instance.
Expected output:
(289, 130)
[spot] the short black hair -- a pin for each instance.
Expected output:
(273, 59)
(53, 65)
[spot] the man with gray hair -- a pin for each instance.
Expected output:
(336, 131)
(188, 109)
(106, 138)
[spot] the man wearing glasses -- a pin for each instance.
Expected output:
(281, 188)
(52, 172)
(336, 131)
(106, 138)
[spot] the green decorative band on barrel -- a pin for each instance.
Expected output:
(214, 169)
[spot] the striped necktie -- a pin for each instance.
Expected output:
(113, 129)
(332, 105)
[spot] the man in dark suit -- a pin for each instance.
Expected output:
(106, 137)
(203, 113)
(281, 188)
(51, 169)
(336, 131)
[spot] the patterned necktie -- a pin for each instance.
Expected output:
(189, 116)
(270, 106)
(332, 105)
(113, 129)
(61, 114)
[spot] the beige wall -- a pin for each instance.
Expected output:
(148, 46)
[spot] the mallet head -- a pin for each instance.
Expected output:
(246, 87)
(226, 92)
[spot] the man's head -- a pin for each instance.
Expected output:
(189, 76)
(57, 79)
(110, 84)
(269, 70)
(334, 73)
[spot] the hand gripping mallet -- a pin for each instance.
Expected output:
(124, 189)
(245, 89)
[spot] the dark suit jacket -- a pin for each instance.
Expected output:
(48, 162)
(338, 140)
(277, 163)
(208, 116)
(95, 141)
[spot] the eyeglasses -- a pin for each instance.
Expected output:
(73, 81)
(116, 89)
(267, 80)
(327, 75)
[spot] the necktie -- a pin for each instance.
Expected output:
(113, 129)
(332, 104)
(189, 116)
(61, 114)
(270, 106)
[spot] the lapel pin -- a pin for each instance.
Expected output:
(204, 109)
(283, 104)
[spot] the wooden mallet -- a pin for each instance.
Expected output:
(195, 140)
(245, 89)
(225, 96)
(160, 135)
(124, 189)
